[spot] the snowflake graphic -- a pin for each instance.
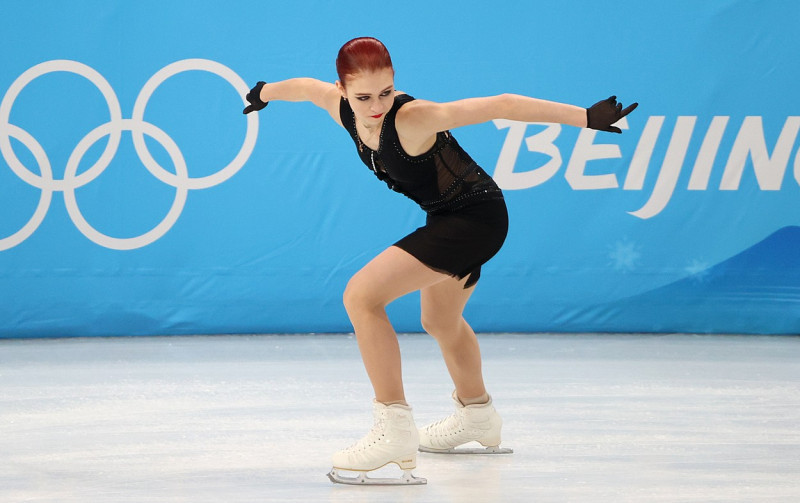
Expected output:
(697, 270)
(624, 256)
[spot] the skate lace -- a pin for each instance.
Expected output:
(447, 426)
(371, 438)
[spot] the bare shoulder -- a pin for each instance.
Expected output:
(429, 116)
(416, 108)
(413, 129)
(328, 98)
(415, 115)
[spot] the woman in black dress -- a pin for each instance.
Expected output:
(407, 144)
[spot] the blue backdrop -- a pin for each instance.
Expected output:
(137, 199)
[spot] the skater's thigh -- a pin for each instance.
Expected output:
(442, 304)
(390, 275)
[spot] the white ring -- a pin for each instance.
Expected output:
(181, 192)
(138, 114)
(47, 192)
(58, 65)
(113, 129)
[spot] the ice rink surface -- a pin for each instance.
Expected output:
(592, 418)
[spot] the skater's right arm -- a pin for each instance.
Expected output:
(323, 94)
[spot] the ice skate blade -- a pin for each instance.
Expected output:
(468, 450)
(408, 479)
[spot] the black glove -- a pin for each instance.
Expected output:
(602, 114)
(254, 97)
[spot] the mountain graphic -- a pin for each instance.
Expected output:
(754, 292)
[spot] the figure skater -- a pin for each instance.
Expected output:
(407, 144)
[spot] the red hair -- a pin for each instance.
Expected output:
(362, 54)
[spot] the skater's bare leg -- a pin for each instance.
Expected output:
(442, 317)
(475, 418)
(390, 275)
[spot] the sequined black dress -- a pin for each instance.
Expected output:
(467, 220)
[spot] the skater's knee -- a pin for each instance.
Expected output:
(441, 327)
(360, 297)
(353, 297)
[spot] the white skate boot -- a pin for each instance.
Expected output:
(472, 423)
(393, 439)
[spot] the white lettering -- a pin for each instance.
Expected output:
(586, 150)
(670, 169)
(542, 142)
(797, 166)
(749, 146)
(642, 154)
(750, 142)
(708, 154)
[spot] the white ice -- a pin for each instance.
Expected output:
(591, 418)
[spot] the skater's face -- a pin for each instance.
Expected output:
(370, 94)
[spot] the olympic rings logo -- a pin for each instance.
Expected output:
(180, 179)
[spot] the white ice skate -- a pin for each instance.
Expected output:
(393, 439)
(471, 423)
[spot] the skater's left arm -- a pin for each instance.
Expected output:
(427, 117)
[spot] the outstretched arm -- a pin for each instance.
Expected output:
(323, 94)
(426, 117)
